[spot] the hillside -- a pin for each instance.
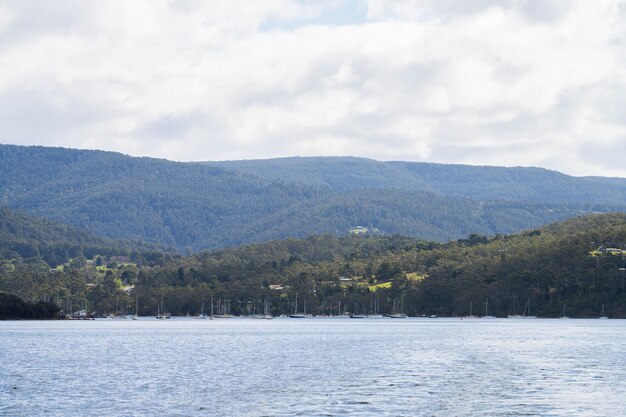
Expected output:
(24, 236)
(556, 267)
(476, 182)
(183, 205)
(196, 206)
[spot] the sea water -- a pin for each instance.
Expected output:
(313, 367)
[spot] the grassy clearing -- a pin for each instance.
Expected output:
(414, 276)
(381, 285)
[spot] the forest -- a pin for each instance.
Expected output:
(559, 269)
(192, 207)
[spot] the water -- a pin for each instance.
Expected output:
(311, 367)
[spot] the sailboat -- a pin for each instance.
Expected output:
(159, 316)
(355, 314)
(136, 316)
(602, 316)
(471, 316)
(515, 315)
(118, 314)
(527, 314)
(295, 314)
(563, 316)
(223, 310)
(395, 314)
(266, 312)
(487, 316)
(160, 311)
(202, 316)
(375, 314)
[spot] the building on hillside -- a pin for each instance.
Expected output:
(359, 230)
(612, 251)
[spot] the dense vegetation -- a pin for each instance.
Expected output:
(13, 307)
(554, 267)
(24, 236)
(192, 206)
(475, 182)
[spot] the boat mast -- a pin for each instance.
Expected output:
(296, 306)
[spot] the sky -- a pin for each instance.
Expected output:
(482, 82)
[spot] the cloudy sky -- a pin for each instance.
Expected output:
(506, 82)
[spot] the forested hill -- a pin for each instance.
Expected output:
(571, 268)
(196, 206)
(476, 182)
(24, 236)
(184, 205)
(561, 269)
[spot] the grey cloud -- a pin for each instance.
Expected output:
(172, 83)
(46, 117)
(175, 126)
(36, 17)
(608, 158)
(533, 10)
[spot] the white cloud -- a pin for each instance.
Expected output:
(515, 82)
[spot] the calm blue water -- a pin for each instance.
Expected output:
(310, 367)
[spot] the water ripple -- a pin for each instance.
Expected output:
(313, 368)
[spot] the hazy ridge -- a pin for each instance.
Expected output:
(195, 206)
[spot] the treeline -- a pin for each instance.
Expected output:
(24, 236)
(554, 268)
(14, 308)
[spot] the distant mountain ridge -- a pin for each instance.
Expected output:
(196, 206)
(476, 182)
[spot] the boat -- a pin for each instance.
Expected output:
(515, 315)
(117, 315)
(81, 314)
(375, 312)
(471, 316)
(526, 313)
(487, 316)
(136, 315)
(295, 314)
(395, 314)
(563, 316)
(602, 316)
(202, 316)
(266, 312)
(355, 314)
(223, 310)
(160, 315)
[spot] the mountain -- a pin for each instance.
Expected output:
(195, 206)
(475, 182)
(183, 205)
